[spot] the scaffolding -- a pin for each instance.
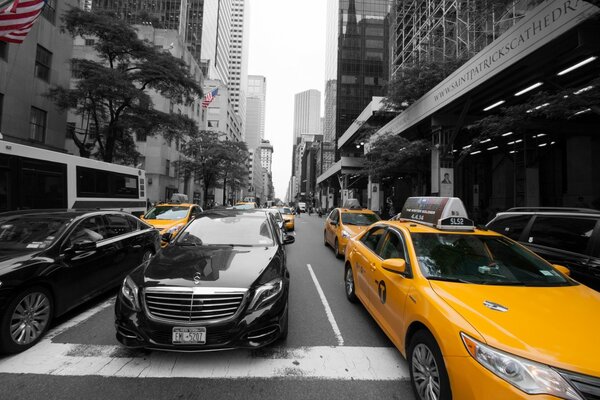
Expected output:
(440, 30)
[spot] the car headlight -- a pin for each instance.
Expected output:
(529, 376)
(265, 294)
(345, 234)
(130, 291)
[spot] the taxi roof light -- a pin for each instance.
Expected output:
(444, 213)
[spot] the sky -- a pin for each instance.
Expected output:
(287, 46)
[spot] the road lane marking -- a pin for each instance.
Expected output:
(334, 325)
(319, 362)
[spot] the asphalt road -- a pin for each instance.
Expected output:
(334, 349)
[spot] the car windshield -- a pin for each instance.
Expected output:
(235, 229)
(360, 219)
(167, 212)
(488, 260)
(31, 231)
(244, 206)
(285, 211)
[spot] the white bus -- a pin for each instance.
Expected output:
(34, 178)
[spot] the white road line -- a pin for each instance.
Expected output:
(330, 316)
(320, 362)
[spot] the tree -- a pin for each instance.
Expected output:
(394, 156)
(544, 109)
(214, 160)
(412, 82)
(113, 89)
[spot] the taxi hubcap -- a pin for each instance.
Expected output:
(349, 281)
(29, 318)
(425, 373)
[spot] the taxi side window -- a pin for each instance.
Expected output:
(334, 216)
(393, 247)
(372, 238)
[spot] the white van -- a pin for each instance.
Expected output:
(302, 206)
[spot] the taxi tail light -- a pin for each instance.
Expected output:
(528, 376)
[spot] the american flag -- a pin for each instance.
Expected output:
(17, 19)
(208, 98)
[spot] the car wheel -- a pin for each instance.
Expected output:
(25, 320)
(336, 248)
(349, 284)
(428, 374)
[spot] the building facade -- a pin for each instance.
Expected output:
(238, 57)
(307, 113)
(256, 110)
(27, 72)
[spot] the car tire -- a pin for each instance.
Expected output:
(349, 286)
(427, 368)
(34, 308)
(336, 248)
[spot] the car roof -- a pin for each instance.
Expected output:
(415, 227)
(550, 211)
(357, 210)
(249, 212)
(176, 204)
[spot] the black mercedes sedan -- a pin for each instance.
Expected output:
(52, 261)
(221, 283)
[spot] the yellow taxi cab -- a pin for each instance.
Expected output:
(288, 218)
(343, 223)
(171, 217)
(245, 205)
(476, 315)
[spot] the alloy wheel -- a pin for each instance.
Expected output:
(30, 318)
(426, 374)
(349, 282)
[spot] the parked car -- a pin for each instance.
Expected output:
(221, 283)
(566, 236)
(53, 261)
(171, 217)
(288, 216)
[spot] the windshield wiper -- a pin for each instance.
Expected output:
(447, 279)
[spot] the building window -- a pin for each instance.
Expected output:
(49, 11)
(37, 125)
(3, 51)
(140, 136)
(90, 42)
(213, 123)
(43, 61)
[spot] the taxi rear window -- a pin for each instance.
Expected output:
(360, 219)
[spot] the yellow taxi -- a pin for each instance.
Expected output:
(245, 205)
(476, 315)
(343, 223)
(288, 218)
(171, 217)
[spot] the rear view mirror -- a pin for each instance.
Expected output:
(289, 239)
(166, 237)
(566, 271)
(397, 265)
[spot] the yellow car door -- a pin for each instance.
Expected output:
(366, 263)
(392, 287)
(331, 226)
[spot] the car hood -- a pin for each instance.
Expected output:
(355, 229)
(557, 326)
(11, 260)
(209, 266)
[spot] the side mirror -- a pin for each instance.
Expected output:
(84, 246)
(562, 269)
(396, 265)
(166, 237)
(289, 239)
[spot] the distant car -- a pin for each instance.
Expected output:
(343, 223)
(171, 217)
(222, 283)
(565, 236)
(245, 205)
(53, 261)
(277, 217)
(288, 216)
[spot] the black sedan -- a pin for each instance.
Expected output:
(52, 261)
(221, 283)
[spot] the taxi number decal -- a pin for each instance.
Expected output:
(417, 217)
(457, 221)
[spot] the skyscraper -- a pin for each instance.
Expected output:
(255, 110)
(238, 57)
(307, 113)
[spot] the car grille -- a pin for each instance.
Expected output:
(588, 386)
(192, 304)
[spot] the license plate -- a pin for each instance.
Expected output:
(184, 335)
